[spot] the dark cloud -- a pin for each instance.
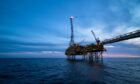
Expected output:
(13, 46)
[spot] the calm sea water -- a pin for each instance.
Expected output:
(62, 71)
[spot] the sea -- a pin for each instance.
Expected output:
(63, 71)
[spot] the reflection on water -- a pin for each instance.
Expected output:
(62, 71)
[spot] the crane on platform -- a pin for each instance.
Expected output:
(96, 39)
(93, 52)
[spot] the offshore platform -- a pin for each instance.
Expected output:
(94, 52)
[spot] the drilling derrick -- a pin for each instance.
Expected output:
(74, 48)
(70, 52)
(72, 33)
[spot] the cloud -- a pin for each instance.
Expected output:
(52, 52)
(85, 33)
(8, 45)
(121, 55)
(135, 13)
(109, 46)
(46, 28)
(135, 41)
(34, 54)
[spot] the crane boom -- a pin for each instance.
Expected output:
(94, 36)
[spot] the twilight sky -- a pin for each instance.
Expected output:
(41, 28)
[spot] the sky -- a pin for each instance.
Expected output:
(41, 28)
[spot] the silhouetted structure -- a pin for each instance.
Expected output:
(94, 52)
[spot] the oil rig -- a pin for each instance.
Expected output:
(94, 52)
